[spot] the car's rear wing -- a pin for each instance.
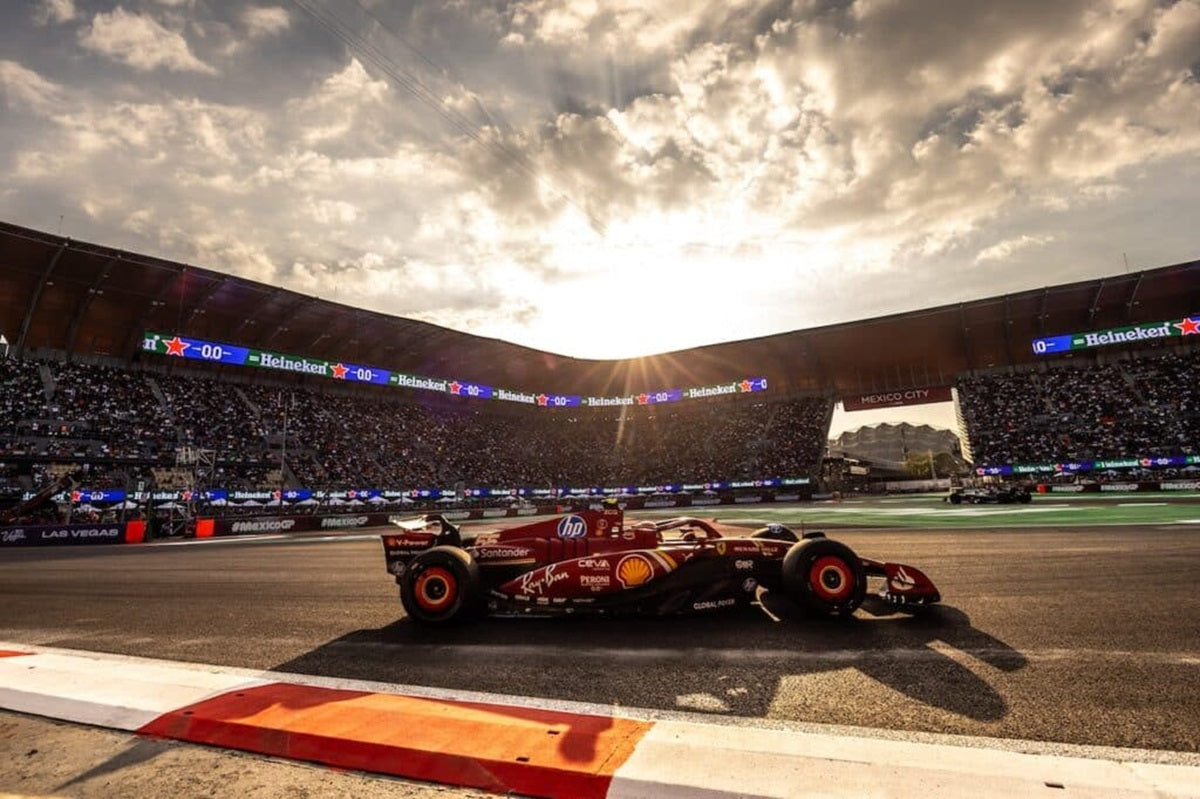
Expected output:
(447, 533)
(416, 534)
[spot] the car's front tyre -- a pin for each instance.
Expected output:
(824, 577)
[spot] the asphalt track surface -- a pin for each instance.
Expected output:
(1072, 635)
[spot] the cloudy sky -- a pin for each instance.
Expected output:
(605, 179)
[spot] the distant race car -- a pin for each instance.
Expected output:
(591, 562)
(1000, 494)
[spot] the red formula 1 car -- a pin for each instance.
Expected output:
(592, 562)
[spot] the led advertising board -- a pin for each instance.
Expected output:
(217, 352)
(1070, 342)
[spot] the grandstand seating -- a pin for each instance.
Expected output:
(125, 425)
(1111, 410)
(131, 422)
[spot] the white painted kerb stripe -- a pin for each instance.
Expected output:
(105, 692)
(696, 760)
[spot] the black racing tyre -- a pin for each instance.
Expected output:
(956, 499)
(441, 585)
(824, 577)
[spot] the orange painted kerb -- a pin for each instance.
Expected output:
(8, 653)
(492, 747)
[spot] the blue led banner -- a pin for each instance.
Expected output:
(214, 352)
(1171, 328)
(98, 495)
(1072, 467)
(108, 497)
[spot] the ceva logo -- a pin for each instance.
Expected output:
(572, 527)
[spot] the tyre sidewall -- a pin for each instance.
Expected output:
(798, 568)
(447, 564)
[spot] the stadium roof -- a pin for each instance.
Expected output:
(85, 299)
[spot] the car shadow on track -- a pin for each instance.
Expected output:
(729, 663)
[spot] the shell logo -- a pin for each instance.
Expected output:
(633, 570)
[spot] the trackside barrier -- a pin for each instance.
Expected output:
(250, 525)
(1118, 487)
(208, 527)
(133, 532)
(36, 535)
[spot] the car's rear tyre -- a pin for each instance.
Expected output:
(824, 577)
(441, 585)
(956, 499)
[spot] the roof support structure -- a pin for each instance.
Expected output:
(321, 336)
(204, 298)
(236, 336)
(290, 313)
(1132, 301)
(823, 382)
(37, 296)
(966, 338)
(134, 343)
(149, 293)
(1008, 323)
(340, 328)
(1095, 306)
(85, 302)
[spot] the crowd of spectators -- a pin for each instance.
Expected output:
(10, 482)
(123, 427)
(344, 440)
(1118, 409)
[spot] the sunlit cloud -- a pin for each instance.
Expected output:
(265, 20)
(140, 42)
(1003, 250)
(53, 12)
(506, 169)
(25, 90)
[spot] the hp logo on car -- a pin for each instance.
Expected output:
(572, 527)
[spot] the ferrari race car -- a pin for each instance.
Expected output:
(1001, 494)
(591, 562)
